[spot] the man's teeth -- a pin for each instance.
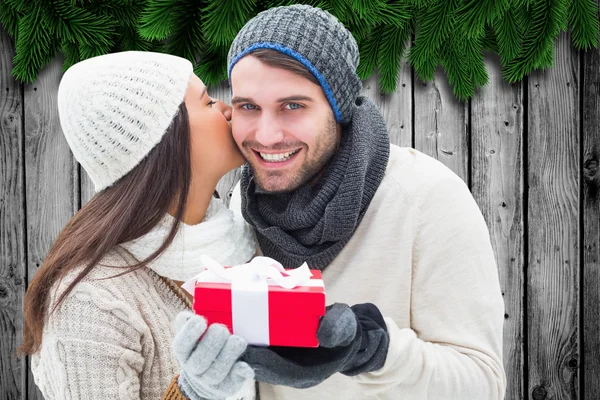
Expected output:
(278, 157)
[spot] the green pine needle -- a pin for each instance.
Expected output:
(71, 53)
(129, 39)
(158, 20)
(212, 67)
(476, 62)
(454, 62)
(187, 40)
(222, 19)
(473, 15)
(450, 33)
(368, 48)
(583, 19)
(546, 19)
(9, 19)
(80, 25)
(392, 49)
(34, 47)
(489, 42)
(508, 34)
(88, 51)
(434, 25)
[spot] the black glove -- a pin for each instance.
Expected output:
(352, 340)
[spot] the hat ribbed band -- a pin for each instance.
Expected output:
(302, 60)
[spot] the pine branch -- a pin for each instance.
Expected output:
(71, 53)
(186, 40)
(9, 19)
(212, 67)
(489, 42)
(546, 18)
(79, 25)
(21, 6)
(158, 20)
(130, 39)
(222, 19)
(368, 48)
(476, 62)
(473, 15)
(123, 12)
(434, 24)
(508, 33)
(392, 49)
(453, 60)
(583, 19)
(35, 46)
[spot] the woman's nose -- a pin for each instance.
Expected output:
(225, 109)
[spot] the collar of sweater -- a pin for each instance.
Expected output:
(222, 235)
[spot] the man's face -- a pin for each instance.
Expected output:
(282, 123)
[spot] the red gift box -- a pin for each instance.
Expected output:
(277, 317)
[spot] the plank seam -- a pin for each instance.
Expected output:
(26, 360)
(413, 107)
(581, 370)
(470, 146)
(525, 315)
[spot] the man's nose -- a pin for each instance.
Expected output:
(225, 109)
(268, 130)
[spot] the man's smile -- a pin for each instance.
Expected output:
(276, 159)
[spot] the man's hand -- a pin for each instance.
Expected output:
(352, 340)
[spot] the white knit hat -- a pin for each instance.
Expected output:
(115, 108)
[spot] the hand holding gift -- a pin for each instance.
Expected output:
(285, 310)
(352, 340)
(208, 356)
(260, 301)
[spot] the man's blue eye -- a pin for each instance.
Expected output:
(294, 106)
(249, 106)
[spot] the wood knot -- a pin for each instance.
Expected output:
(539, 393)
(590, 169)
(3, 291)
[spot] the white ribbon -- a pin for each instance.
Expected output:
(249, 291)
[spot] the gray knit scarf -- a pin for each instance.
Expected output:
(314, 223)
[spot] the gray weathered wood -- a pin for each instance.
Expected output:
(441, 121)
(396, 107)
(497, 186)
(591, 224)
(227, 183)
(553, 234)
(86, 186)
(12, 227)
(50, 171)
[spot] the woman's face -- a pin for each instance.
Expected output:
(213, 150)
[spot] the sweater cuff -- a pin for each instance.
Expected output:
(173, 392)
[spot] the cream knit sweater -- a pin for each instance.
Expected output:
(111, 338)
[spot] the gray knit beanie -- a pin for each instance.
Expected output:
(317, 40)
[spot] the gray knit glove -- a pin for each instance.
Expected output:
(209, 358)
(352, 340)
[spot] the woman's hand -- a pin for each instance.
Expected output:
(209, 358)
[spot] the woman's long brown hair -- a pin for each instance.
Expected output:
(125, 211)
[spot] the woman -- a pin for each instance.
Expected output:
(99, 312)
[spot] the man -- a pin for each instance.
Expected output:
(396, 234)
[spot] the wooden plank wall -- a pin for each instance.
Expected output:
(529, 152)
